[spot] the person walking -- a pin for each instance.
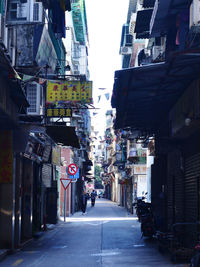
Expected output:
(93, 198)
(84, 198)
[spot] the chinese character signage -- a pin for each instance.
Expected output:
(69, 91)
(59, 112)
(6, 157)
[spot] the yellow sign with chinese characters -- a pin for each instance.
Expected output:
(6, 157)
(69, 91)
(59, 112)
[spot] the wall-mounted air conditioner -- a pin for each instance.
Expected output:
(34, 97)
(37, 12)
(125, 50)
(26, 11)
(195, 13)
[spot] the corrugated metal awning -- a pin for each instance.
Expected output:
(144, 95)
(63, 134)
(143, 23)
(164, 10)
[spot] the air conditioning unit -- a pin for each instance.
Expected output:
(156, 51)
(34, 97)
(125, 50)
(30, 11)
(22, 11)
(195, 13)
(37, 12)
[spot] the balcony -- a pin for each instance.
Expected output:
(137, 156)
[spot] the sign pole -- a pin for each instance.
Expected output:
(65, 206)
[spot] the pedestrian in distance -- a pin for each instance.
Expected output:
(93, 198)
(84, 198)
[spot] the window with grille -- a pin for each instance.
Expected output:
(32, 97)
(17, 10)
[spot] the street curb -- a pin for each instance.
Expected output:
(5, 252)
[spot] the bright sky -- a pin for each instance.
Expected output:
(105, 19)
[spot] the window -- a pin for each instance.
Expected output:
(17, 10)
(32, 97)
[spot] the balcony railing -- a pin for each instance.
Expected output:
(137, 156)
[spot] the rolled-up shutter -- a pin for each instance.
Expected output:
(46, 175)
(175, 185)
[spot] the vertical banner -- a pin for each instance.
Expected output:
(6, 157)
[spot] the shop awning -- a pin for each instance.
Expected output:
(13, 79)
(143, 23)
(17, 94)
(63, 134)
(144, 95)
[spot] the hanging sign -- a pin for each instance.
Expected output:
(59, 112)
(69, 91)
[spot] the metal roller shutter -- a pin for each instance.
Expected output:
(192, 178)
(175, 188)
(158, 185)
(192, 174)
(46, 175)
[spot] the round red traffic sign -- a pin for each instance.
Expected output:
(72, 169)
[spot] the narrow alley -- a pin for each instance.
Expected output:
(105, 236)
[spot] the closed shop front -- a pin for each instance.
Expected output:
(27, 199)
(158, 192)
(192, 187)
(46, 183)
(175, 185)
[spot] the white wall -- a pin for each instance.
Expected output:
(150, 161)
(141, 185)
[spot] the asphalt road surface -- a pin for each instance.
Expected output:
(105, 237)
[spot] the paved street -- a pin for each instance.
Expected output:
(106, 236)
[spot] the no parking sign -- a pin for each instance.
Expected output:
(72, 169)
